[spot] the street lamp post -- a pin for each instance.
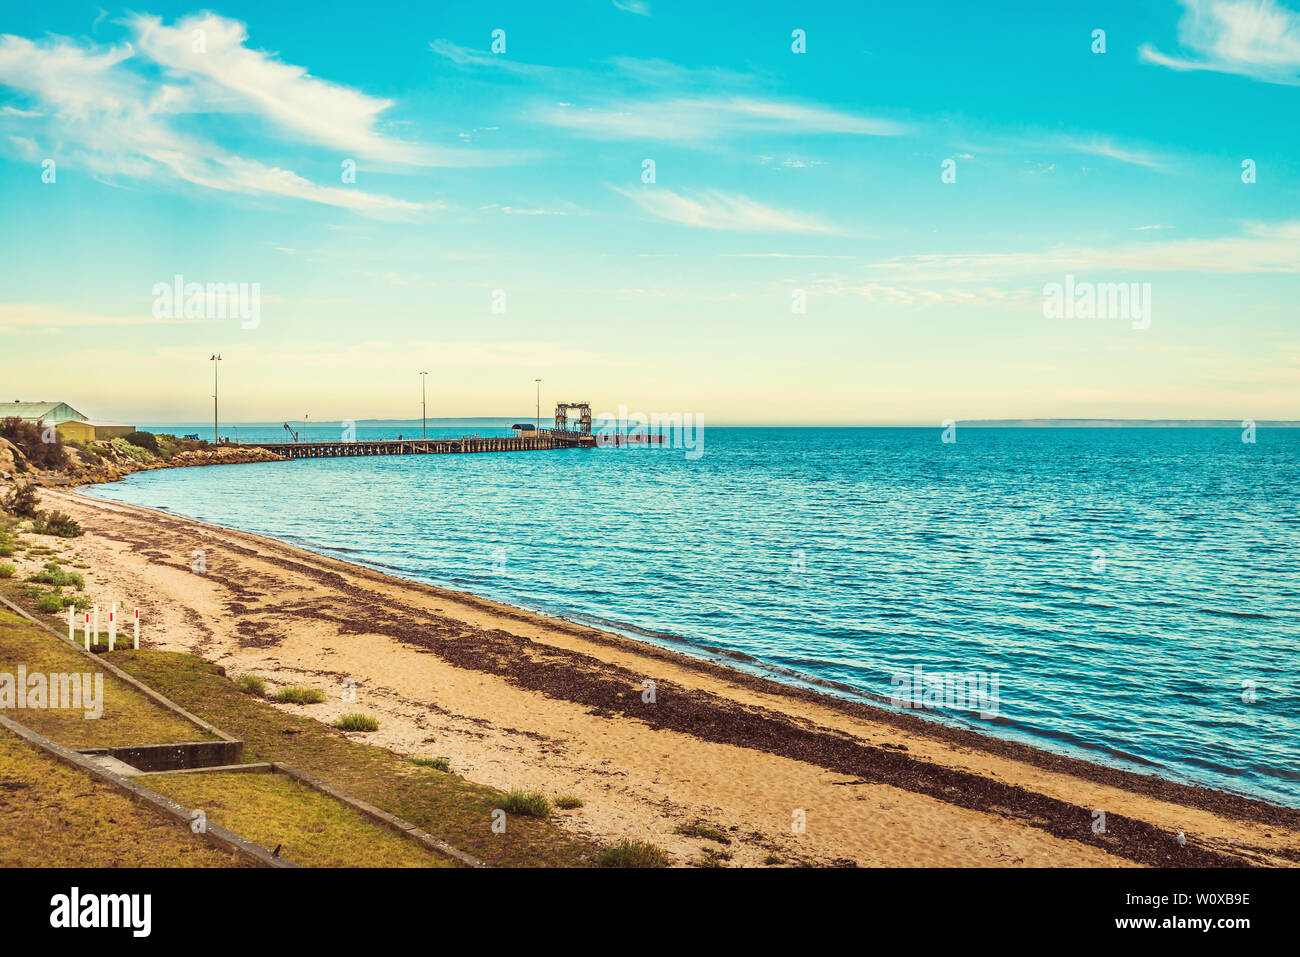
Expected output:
(424, 414)
(538, 427)
(214, 360)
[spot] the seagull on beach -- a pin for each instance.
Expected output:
(1182, 839)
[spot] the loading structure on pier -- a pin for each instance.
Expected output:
(583, 409)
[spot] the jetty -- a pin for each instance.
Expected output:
(530, 440)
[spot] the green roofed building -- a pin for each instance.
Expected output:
(69, 423)
(51, 413)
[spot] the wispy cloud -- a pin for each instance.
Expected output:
(1255, 38)
(109, 111)
(639, 7)
(1262, 248)
(1097, 146)
(706, 118)
(716, 210)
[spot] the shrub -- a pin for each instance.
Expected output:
(356, 722)
(30, 438)
(49, 602)
(7, 571)
(60, 524)
(133, 452)
(527, 803)
(143, 440)
(252, 684)
(22, 501)
(773, 859)
(632, 854)
(297, 695)
(568, 801)
(53, 575)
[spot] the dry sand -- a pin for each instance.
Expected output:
(516, 699)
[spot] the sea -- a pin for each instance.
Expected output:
(1130, 596)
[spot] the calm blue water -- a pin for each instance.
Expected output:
(851, 555)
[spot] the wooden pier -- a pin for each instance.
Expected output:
(546, 439)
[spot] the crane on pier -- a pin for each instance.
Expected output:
(291, 431)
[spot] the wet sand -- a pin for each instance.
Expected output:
(516, 699)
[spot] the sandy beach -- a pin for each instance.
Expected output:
(516, 699)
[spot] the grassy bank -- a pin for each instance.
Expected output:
(53, 815)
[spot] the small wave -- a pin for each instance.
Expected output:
(1223, 612)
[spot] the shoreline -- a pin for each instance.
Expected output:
(520, 698)
(730, 661)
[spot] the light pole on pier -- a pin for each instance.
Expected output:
(424, 414)
(539, 404)
(214, 360)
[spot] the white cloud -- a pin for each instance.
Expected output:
(113, 121)
(297, 102)
(1255, 38)
(716, 210)
(706, 118)
(1264, 248)
(1103, 147)
(639, 7)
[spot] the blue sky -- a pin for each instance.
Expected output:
(521, 172)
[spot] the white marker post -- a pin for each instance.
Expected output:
(87, 631)
(112, 626)
(72, 623)
(137, 629)
(95, 608)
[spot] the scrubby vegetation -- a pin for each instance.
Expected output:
(527, 803)
(7, 571)
(143, 440)
(252, 684)
(568, 802)
(132, 451)
(356, 722)
(632, 854)
(296, 695)
(22, 501)
(54, 575)
(442, 764)
(40, 444)
(57, 523)
(706, 831)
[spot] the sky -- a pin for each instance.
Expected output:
(853, 216)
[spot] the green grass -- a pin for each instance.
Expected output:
(298, 695)
(357, 722)
(310, 828)
(773, 859)
(129, 716)
(7, 571)
(706, 831)
(252, 684)
(49, 602)
(442, 764)
(527, 803)
(632, 854)
(568, 802)
(447, 806)
(54, 815)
